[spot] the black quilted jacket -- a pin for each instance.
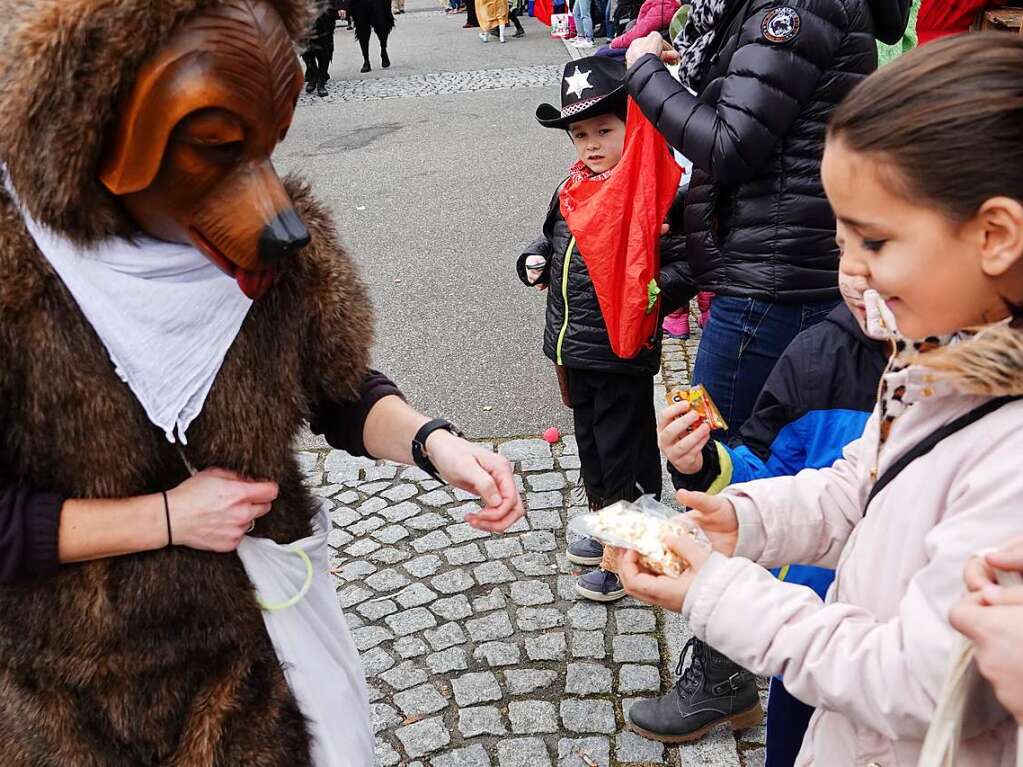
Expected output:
(581, 339)
(757, 222)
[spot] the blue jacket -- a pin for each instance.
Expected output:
(816, 401)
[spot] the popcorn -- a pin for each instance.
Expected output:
(625, 527)
(701, 404)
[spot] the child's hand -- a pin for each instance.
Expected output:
(716, 516)
(681, 437)
(664, 590)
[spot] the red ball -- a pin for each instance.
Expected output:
(552, 435)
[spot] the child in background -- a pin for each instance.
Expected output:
(611, 397)
(936, 229)
(815, 402)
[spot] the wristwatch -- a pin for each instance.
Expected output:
(419, 445)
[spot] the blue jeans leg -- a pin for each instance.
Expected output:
(787, 720)
(741, 343)
(583, 19)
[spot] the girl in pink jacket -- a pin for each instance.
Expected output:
(924, 170)
(654, 15)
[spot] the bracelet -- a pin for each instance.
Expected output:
(166, 513)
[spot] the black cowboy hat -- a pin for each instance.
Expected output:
(589, 86)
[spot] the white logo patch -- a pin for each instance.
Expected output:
(781, 25)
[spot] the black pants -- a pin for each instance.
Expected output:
(317, 65)
(470, 13)
(514, 17)
(364, 26)
(616, 429)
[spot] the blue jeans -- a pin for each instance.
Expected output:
(583, 19)
(741, 343)
(787, 720)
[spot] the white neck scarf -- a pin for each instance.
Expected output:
(165, 313)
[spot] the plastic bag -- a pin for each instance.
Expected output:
(640, 526)
(311, 637)
(562, 25)
(701, 404)
(941, 745)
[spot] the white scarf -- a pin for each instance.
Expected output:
(695, 39)
(165, 313)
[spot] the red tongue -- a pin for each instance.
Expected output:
(255, 284)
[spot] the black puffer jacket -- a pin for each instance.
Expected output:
(757, 221)
(585, 343)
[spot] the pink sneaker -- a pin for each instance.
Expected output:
(676, 324)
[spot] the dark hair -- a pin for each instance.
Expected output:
(948, 117)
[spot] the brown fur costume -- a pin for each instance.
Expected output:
(158, 658)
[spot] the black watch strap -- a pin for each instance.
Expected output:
(419, 445)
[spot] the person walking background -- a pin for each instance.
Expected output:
(372, 16)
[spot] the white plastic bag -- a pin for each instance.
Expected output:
(941, 745)
(302, 616)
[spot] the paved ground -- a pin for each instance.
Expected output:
(476, 648)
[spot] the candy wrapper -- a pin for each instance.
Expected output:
(701, 404)
(640, 526)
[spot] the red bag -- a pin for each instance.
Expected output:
(617, 227)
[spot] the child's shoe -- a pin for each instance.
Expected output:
(600, 586)
(586, 551)
(676, 324)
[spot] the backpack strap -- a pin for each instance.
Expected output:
(928, 443)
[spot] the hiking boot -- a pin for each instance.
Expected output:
(711, 691)
(600, 586)
(321, 89)
(586, 551)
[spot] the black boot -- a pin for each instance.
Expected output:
(384, 61)
(321, 89)
(711, 691)
(365, 67)
(310, 86)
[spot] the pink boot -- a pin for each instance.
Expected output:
(676, 324)
(703, 301)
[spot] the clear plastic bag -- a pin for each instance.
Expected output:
(641, 526)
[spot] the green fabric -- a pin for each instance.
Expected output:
(652, 292)
(678, 21)
(888, 53)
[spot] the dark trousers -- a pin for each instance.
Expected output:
(513, 16)
(787, 720)
(616, 429)
(317, 66)
(364, 26)
(741, 343)
(470, 13)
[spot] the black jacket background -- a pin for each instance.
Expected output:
(757, 221)
(586, 343)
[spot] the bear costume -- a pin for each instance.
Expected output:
(160, 657)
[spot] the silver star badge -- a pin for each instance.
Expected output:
(578, 82)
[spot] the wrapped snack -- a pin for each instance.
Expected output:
(701, 404)
(641, 527)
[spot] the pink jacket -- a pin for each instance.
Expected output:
(654, 15)
(872, 657)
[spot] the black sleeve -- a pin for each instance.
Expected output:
(342, 423)
(676, 278)
(542, 245)
(761, 96)
(29, 523)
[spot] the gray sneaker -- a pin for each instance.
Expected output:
(586, 551)
(600, 586)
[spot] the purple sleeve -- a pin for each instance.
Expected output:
(28, 533)
(342, 423)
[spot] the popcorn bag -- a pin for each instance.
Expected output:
(641, 527)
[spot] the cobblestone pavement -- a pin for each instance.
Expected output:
(476, 648)
(437, 83)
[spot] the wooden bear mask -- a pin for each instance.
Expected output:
(189, 153)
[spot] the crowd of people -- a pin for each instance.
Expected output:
(862, 264)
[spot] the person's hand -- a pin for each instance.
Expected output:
(680, 438)
(477, 470)
(652, 43)
(213, 510)
(980, 570)
(716, 516)
(664, 591)
(997, 632)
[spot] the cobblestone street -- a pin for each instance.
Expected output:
(477, 650)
